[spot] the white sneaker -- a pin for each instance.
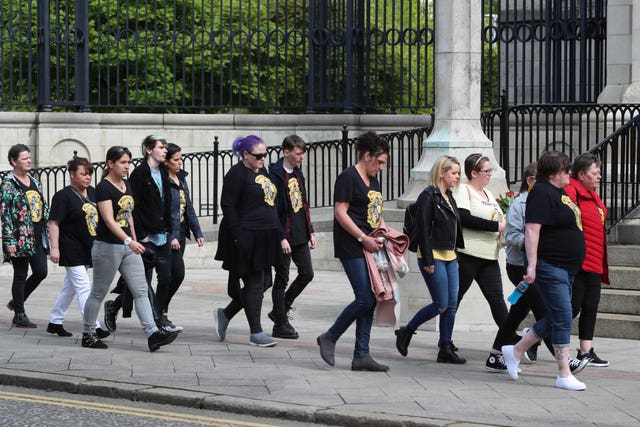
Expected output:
(511, 361)
(570, 383)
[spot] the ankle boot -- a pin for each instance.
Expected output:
(403, 338)
(366, 363)
(447, 355)
(20, 320)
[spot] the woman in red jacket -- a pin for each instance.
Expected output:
(585, 178)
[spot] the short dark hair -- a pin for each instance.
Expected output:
(371, 143)
(14, 152)
(149, 143)
(172, 149)
(583, 162)
(76, 162)
(292, 141)
(474, 162)
(551, 162)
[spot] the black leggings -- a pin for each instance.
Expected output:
(487, 273)
(250, 299)
(585, 300)
(530, 300)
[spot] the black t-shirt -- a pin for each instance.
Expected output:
(78, 218)
(297, 216)
(365, 209)
(35, 203)
(561, 241)
(122, 204)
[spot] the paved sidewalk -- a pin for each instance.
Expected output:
(291, 380)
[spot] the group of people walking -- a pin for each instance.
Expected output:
(554, 234)
(110, 228)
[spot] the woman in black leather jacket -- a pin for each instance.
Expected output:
(440, 233)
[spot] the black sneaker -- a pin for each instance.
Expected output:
(160, 338)
(101, 333)
(90, 341)
(594, 359)
(577, 365)
(495, 363)
(110, 314)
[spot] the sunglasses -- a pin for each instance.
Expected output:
(258, 156)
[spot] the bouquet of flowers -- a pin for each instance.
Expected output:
(505, 201)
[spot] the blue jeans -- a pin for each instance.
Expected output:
(360, 310)
(443, 287)
(554, 286)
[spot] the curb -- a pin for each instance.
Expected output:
(219, 402)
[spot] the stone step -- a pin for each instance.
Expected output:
(624, 255)
(623, 278)
(619, 302)
(615, 326)
(628, 232)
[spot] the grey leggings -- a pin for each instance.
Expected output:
(107, 259)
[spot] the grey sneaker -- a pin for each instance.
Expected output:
(221, 323)
(262, 340)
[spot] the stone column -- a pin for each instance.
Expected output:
(622, 16)
(632, 94)
(457, 131)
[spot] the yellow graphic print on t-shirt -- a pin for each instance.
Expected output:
(35, 205)
(270, 190)
(295, 195)
(601, 212)
(374, 210)
(91, 217)
(124, 213)
(576, 210)
(183, 204)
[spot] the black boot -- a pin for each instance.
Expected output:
(281, 326)
(403, 338)
(20, 320)
(447, 355)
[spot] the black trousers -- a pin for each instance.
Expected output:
(585, 299)
(22, 286)
(282, 301)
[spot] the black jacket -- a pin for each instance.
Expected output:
(150, 215)
(437, 223)
(279, 177)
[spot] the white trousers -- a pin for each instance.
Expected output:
(76, 283)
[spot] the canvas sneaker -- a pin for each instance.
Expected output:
(262, 340)
(511, 361)
(570, 383)
(577, 365)
(595, 360)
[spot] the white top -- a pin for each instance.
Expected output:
(479, 243)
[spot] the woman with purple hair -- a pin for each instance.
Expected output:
(248, 240)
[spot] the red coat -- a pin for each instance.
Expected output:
(594, 215)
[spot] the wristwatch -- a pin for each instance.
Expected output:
(361, 238)
(127, 241)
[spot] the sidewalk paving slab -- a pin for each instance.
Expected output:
(291, 381)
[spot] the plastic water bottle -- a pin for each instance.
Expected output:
(518, 292)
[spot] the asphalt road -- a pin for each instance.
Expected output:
(26, 407)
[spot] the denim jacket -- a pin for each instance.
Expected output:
(190, 217)
(514, 230)
(17, 225)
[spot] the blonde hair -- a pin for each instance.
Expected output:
(443, 164)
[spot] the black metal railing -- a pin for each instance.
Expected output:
(523, 132)
(213, 56)
(323, 162)
(551, 51)
(620, 184)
